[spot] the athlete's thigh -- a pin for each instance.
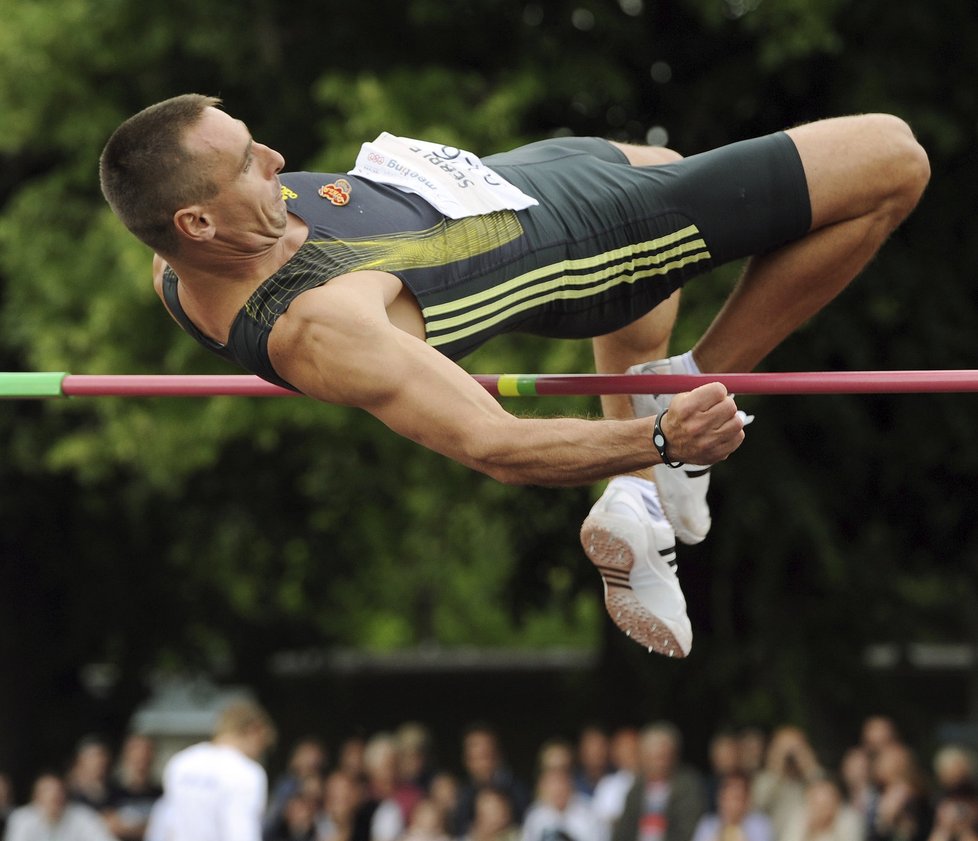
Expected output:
(746, 198)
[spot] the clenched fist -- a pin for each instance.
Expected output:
(702, 426)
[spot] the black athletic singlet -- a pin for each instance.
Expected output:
(606, 243)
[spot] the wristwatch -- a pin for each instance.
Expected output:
(660, 443)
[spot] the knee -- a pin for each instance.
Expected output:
(905, 163)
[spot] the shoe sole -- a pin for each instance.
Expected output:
(614, 560)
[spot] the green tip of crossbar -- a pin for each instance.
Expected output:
(31, 384)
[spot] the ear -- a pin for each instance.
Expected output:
(194, 223)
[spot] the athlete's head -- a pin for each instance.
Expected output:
(183, 171)
(147, 173)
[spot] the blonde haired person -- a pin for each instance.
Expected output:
(218, 790)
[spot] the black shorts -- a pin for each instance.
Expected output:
(610, 241)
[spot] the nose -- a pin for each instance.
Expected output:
(274, 161)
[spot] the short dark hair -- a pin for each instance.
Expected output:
(147, 174)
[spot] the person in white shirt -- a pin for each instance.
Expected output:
(217, 790)
(51, 816)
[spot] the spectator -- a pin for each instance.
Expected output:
(132, 790)
(560, 811)
(733, 819)
(427, 823)
(50, 816)
(790, 765)
(444, 791)
(415, 755)
(298, 820)
(956, 816)
(414, 767)
(857, 783)
(307, 760)
(6, 801)
(878, 732)
(486, 766)
(350, 758)
(902, 811)
(556, 754)
(724, 758)
(752, 746)
(217, 790)
(493, 819)
(342, 797)
(387, 821)
(954, 769)
(667, 799)
(825, 816)
(609, 795)
(593, 759)
(88, 777)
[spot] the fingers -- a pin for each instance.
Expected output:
(703, 426)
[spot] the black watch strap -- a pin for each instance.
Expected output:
(660, 443)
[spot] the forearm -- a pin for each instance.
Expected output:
(564, 451)
(701, 427)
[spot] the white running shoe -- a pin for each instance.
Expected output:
(682, 490)
(635, 553)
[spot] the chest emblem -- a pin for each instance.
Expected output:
(288, 194)
(338, 192)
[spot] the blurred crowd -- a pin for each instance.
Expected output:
(629, 784)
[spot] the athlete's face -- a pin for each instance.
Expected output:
(249, 199)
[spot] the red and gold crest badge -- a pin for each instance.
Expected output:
(338, 192)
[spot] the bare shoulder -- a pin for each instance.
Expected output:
(339, 344)
(332, 337)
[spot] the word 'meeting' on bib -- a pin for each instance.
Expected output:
(453, 181)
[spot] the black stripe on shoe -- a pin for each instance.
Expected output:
(669, 556)
(615, 577)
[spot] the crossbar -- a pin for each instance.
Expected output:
(27, 385)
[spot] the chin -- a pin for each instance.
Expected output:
(279, 221)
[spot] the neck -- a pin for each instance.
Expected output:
(221, 264)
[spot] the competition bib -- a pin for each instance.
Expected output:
(453, 181)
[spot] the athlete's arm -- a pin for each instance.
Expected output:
(337, 344)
